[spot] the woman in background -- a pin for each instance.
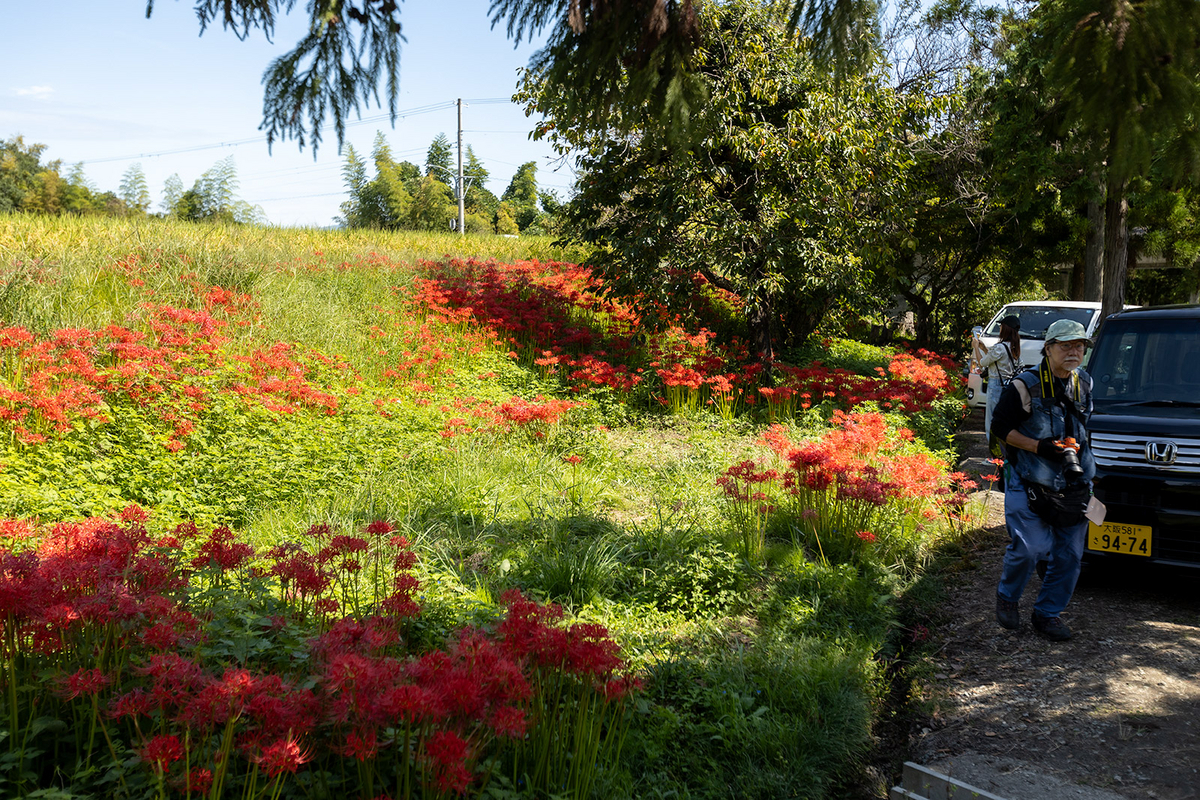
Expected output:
(1002, 360)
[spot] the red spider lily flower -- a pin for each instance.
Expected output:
(401, 605)
(199, 780)
(866, 536)
(345, 545)
(134, 513)
(411, 704)
(173, 677)
(320, 531)
(572, 459)
(327, 606)
(509, 722)
(162, 751)
(282, 756)
(132, 704)
(222, 551)
(380, 528)
(360, 746)
(82, 683)
(621, 687)
(447, 753)
(161, 636)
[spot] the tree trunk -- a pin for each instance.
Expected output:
(1093, 263)
(1075, 281)
(801, 319)
(1116, 246)
(758, 321)
(922, 317)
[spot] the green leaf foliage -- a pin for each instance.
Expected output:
(782, 198)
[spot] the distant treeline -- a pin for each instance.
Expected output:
(28, 185)
(402, 196)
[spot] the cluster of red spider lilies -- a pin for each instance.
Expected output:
(194, 665)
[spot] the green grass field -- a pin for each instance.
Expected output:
(272, 380)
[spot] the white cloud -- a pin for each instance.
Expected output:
(36, 92)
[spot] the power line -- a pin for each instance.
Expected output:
(411, 112)
(300, 197)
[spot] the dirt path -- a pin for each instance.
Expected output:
(1113, 713)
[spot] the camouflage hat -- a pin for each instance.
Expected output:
(1066, 330)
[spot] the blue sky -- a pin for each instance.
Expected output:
(98, 83)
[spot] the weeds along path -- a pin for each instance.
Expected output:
(1115, 712)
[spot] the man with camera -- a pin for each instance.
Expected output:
(1042, 416)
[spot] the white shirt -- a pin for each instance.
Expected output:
(998, 362)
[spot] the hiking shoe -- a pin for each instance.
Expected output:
(1008, 613)
(1052, 628)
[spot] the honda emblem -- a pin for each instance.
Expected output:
(1161, 452)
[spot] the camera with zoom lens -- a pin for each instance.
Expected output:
(1072, 469)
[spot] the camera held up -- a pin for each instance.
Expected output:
(1072, 469)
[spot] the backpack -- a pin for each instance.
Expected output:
(1018, 368)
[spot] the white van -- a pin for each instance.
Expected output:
(1035, 316)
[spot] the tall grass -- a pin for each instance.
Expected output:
(52, 269)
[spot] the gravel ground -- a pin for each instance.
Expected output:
(1113, 713)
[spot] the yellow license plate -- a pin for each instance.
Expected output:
(1117, 537)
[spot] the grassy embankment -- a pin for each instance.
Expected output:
(522, 431)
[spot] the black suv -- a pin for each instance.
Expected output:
(1146, 435)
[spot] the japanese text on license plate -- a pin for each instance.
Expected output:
(1117, 537)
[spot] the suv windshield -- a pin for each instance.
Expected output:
(1035, 319)
(1152, 361)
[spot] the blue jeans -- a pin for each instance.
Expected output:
(993, 395)
(1034, 540)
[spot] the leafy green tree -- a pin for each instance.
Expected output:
(213, 198)
(135, 192)
(79, 196)
(218, 187)
(786, 197)
(47, 192)
(551, 204)
(385, 201)
(522, 189)
(392, 191)
(963, 241)
(439, 160)
(504, 223)
(522, 195)
(609, 55)
(19, 165)
(1126, 70)
(433, 206)
(172, 194)
(478, 200)
(354, 173)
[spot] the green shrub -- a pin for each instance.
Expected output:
(707, 580)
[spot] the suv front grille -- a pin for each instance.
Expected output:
(1129, 452)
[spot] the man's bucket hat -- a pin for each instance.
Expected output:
(1066, 330)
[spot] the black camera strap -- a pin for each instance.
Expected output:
(1050, 391)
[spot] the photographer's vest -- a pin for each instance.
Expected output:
(1047, 420)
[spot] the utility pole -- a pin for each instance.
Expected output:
(462, 227)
